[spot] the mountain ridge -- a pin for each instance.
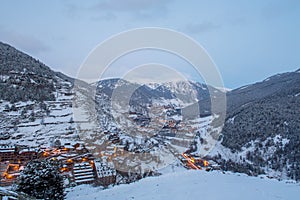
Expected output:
(262, 120)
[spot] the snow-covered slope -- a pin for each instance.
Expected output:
(35, 101)
(262, 128)
(193, 185)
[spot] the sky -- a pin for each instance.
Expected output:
(247, 40)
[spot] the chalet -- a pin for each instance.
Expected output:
(80, 148)
(28, 154)
(106, 175)
(7, 153)
(83, 173)
(10, 174)
(167, 132)
(173, 121)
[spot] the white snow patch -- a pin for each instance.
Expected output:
(192, 185)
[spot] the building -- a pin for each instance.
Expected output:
(7, 153)
(83, 173)
(9, 173)
(77, 164)
(106, 174)
(28, 154)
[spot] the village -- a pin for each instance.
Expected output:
(78, 166)
(84, 164)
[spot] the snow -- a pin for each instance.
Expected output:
(223, 89)
(244, 87)
(278, 139)
(231, 120)
(176, 117)
(223, 151)
(57, 123)
(85, 180)
(29, 150)
(193, 185)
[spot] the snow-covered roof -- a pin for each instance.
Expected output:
(60, 157)
(84, 176)
(104, 170)
(82, 165)
(7, 148)
(77, 171)
(69, 155)
(80, 148)
(29, 150)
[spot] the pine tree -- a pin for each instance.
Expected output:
(42, 180)
(32, 116)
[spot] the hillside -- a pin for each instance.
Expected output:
(262, 129)
(23, 78)
(35, 102)
(193, 185)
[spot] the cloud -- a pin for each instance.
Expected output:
(131, 5)
(72, 11)
(112, 9)
(201, 27)
(109, 16)
(24, 42)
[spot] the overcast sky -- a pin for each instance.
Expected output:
(248, 40)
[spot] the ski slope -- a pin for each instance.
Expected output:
(193, 185)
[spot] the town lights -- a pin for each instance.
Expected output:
(84, 159)
(64, 169)
(205, 163)
(45, 154)
(9, 176)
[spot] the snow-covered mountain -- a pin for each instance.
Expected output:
(261, 133)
